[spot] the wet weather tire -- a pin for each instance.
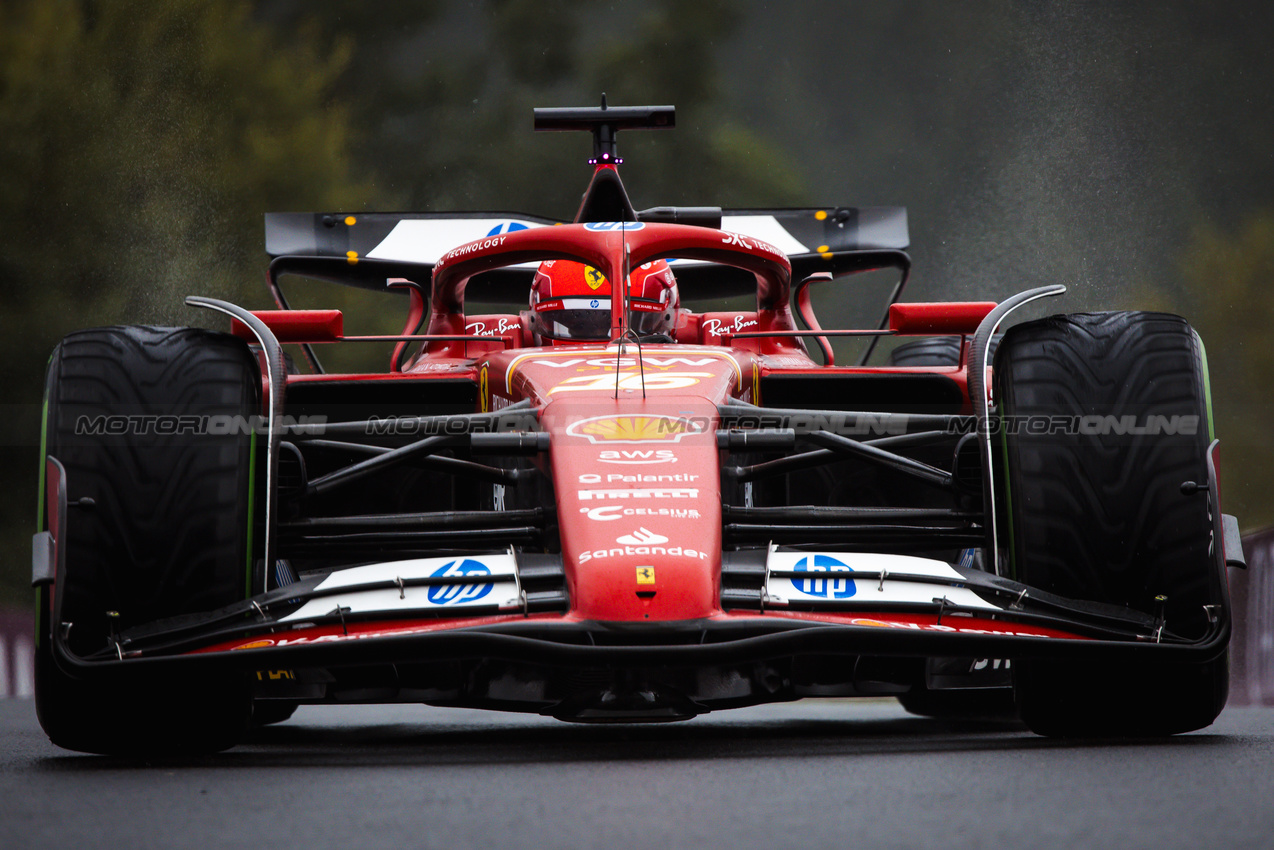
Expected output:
(932, 351)
(964, 704)
(267, 712)
(166, 534)
(1095, 510)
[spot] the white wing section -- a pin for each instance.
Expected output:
(831, 581)
(464, 582)
(426, 240)
(767, 229)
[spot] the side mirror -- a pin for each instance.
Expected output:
(805, 312)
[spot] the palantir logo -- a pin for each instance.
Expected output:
(824, 588)
(453, 594)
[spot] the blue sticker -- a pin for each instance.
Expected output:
(450, 594)
(824, 588)
(506, 227)
(614, 225)
(594, 303)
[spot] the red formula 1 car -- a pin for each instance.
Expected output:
(611, 507)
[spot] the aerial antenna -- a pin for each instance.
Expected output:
(604, 123)
(628, 333)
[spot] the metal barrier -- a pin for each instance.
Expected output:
(1252, 647)
(17, 652)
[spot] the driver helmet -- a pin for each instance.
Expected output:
(570, 301)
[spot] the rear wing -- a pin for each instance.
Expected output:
(332, 246)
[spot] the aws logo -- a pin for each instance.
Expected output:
(634, 429)
(637, 457)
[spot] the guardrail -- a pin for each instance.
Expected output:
(1252, 646)
(17, 653)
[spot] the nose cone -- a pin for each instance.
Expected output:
(639, 507)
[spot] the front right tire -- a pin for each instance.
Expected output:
(1097, 512)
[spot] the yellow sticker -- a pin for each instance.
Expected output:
(645, 575)
(275, 675)
(350, 220)
(593, 278)
(256, 644)
(484, 397)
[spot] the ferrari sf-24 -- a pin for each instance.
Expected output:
(645, 491)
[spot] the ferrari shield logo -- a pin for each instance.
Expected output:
(593, 278)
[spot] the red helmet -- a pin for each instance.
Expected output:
(571, 301)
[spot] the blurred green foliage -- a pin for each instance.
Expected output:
(139, 143)
(1229, 298)
(1119, 148)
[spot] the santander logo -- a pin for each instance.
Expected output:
(642, 537)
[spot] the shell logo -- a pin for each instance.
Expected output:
(634, 429)
(256, 644)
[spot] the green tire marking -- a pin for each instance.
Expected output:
(39, 508)
(44, 447)
(1008, 506)
(1207, 386)
(252, 490)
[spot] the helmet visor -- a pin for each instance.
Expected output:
(645, 324)
(649, 316)
(579, 319)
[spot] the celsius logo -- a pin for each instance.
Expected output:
(824, 588)
(606, 513)
(641, 537)
(607, 226)
(506, 227)
(450, 594)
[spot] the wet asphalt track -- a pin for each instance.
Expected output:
(840, 774)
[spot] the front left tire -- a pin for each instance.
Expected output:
(167, 532)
